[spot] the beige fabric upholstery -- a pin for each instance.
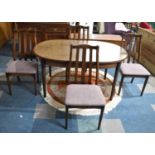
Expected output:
(133, 69)
(84, 94)
(21, 66)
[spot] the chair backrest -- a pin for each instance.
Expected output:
(79, 32)
(24, 41)
(133, 46)
(82, 59)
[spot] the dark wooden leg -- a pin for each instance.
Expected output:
(9, 83)
(50, 71)
(132, 79)
(100, 118)
(105, 74)
(37, 75)
(129, 57)
(43, 63)
(66, 118)
(35, 84)
(120, 86)
(18, 79)
(115, 79)
(145, 82)
(67, 71)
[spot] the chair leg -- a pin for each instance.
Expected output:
(50, 71)
(67, 76)
(145, 82)
(66, 118)
(9, 83)
(18, 78)
(105, 74)
(35, 84)
(100, 118)
(37, 75)
(122, 79)
(132, 79)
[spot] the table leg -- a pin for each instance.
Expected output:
(43, 63)
(115, 79)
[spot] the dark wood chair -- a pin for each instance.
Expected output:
(79, 32)
(80, 92)
(132, 68)
(23, 65)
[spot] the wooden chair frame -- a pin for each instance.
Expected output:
(133, 47)
(79, 61)
(23, 42)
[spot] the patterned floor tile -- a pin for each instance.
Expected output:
(44, 111)
(112, 126)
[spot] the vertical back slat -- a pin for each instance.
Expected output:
(79, 32)
(83, 69)
(25, 44)
(83, 35)
(90, 65)
(88, 33)
(139, 48)
(70, 63)
(21, 49)
(97, 64)
(33, 42)
(135, 48)
(15, 50)
(76, 64)
(74, 32)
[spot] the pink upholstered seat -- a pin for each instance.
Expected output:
(133, 69)
(86, 95)
(22, 66)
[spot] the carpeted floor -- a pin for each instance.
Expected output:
(25, 113)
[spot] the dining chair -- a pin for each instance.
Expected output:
(132, 68)
(79, 32)
(23, 57)
(80, 91)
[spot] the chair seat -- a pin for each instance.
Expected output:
(21, 66)
(84, 95)
(134, 69)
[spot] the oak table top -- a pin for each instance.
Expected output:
(59, 50)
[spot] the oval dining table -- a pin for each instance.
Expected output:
(56, 53)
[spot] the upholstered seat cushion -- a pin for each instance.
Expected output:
(133, 69)
(84, 95)
(21, 66)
